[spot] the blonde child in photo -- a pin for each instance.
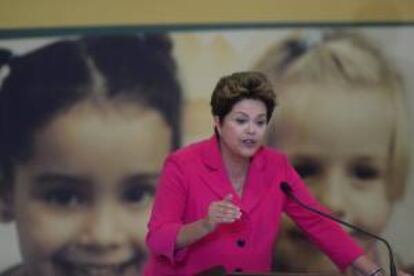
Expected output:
(342, 121)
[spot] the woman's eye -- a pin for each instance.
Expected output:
(307, 169)
(261, 123)
(365, 172)
(240, 121)
(64, 197)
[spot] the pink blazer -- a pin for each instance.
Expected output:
(195, 176)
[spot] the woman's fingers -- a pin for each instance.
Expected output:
(403, 273)
(228, 198)
(224, 211)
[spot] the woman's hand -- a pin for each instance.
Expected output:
(223, 211)
(403, 273)
(363, 265)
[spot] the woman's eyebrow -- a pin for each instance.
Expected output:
(238, 112)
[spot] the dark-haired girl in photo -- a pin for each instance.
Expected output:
(84, 127)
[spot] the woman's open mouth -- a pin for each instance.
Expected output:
(249, 143)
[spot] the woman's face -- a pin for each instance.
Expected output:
(338, 140)
(82, 201)
(242, 129)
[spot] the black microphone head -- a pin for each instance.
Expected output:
(285, 187)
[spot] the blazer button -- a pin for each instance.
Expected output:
(241, 243)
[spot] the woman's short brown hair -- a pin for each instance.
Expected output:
(239, 86)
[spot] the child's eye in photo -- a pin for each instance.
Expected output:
(138, 194)
(62, 191)
(307, 168)
(64, 197)
(365, 172)
(139, 189)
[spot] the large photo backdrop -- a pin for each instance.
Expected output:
(344, 117)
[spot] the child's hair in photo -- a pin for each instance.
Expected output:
(350, 60)
(46, 82)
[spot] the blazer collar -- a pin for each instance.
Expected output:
(219, 183)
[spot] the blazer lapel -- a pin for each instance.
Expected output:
(215, 176)
(256, 185)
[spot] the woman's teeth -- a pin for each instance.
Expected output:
(249, 142)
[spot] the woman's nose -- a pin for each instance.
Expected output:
(102, 229)
(251, 128)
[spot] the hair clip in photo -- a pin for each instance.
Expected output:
(5, 57)
(312, 38)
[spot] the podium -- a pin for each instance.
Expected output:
(221, 271)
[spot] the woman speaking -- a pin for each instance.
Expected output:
(219, 201)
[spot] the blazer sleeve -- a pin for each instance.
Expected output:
(326, 234)
(167, 212)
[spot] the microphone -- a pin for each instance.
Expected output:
(287, 190)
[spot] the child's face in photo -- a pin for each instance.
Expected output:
(338, 141)
(82, 200)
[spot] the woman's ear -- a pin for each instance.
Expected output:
(217, 124)
(6, 207)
